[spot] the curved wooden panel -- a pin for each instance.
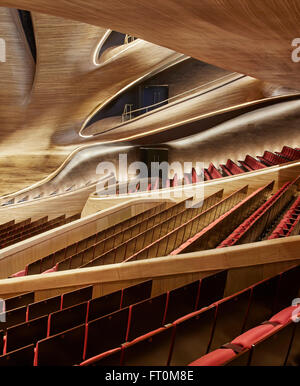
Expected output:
(231, 90)
(255, 179)
(251, 37)
(16, 74)
(67, 86)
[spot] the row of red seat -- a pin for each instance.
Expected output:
(238, 351)
(252, 163)
(29, 229)
(203, 330)
(50, 323)
(217, 225)
(146, 332)
(50, 260)
(289, 153)
(230, 168)
(290, 223)
(271, 159)
(238, 233)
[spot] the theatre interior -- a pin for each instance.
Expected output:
(149, 183)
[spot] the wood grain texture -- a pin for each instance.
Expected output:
(251, 37)
(255, 179)
(67, 86)
(227, 92)
(264, 255)
(14, 258)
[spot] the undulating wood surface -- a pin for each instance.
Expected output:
(222, 32)
(40, 118)
(68, 85)
(229, 91)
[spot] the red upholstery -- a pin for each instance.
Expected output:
(54, 269)
(213, 171)
(215, 358)
(250, 337)
(19, 274)
(283, 316)
(97, 358)
(233, 168)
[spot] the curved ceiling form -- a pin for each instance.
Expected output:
(111, 44)
(267, 127)
(84, 132)
(221, 95)
(250, 37)
(67, 86)
(16, 71)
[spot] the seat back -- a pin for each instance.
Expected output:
(230, 319)
(26, 333)
(21, 357)
(152, 349)
(106, 333)
(182, 301)
(19, 301)
(64, 349)
(192, 336)
(44, 307)
(67, 318)
(104, 305)
(146, 316)
(273, 350)
(78, 296)
(13, 317)
(212, 289)
(288, 289)
(136, 293)
(262, 305)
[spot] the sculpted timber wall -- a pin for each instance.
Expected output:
(250, 37)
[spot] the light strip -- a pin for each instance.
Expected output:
(99, 46)
(216, 181)
(194, 119)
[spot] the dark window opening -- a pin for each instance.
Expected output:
(27, 24)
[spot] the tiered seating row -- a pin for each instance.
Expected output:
(210, 236)
(47, 262)
(290, 153)
(147, 331)
(262, 218)
(290, 223)
(11, 226)
(31, 322)
(31, 229)
(167, 241)
(271, 159)
(199, 332)
(142, 238)
(229, 169)
(50, 319)
(272, 343)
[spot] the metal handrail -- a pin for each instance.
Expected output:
(183, 93)
(129, 39)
